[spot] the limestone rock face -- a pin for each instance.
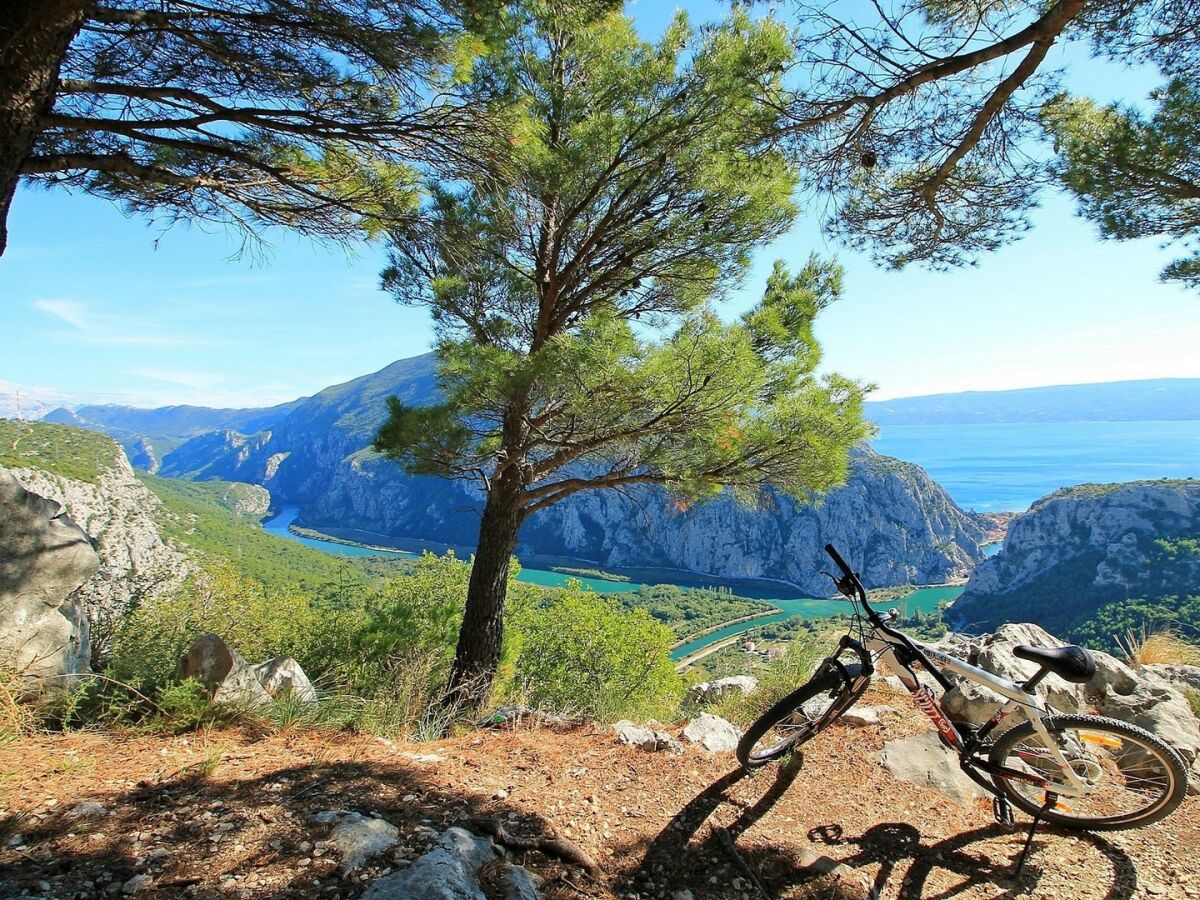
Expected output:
(1089, 545)
(44, 559)
(117, 514)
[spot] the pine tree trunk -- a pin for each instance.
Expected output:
(478, 653)
(34, 35)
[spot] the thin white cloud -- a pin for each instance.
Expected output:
(67, 310)
(202, 381)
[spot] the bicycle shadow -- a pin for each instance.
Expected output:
(888, 856)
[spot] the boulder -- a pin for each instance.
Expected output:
(283, 675)
(923, 759)
(1144, 699)
(713, 733)
(450, 871)
(355, 837)
(645, 738)
(222, 670)
(1179, 677)
(44, 559)
(971, 702)
(713, 691)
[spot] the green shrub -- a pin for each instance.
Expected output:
(1193, 699)
(583, 654)
(778, 678)
(257, 622)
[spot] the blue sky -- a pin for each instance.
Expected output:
(100, 307)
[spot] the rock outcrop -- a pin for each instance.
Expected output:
(117, 513)
(230, 679)
(1140, 697)
(45, 558)
(452, 871)
(1081, 548)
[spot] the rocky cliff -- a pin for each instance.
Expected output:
(113, 508)
(890, 517)
(1080, 549)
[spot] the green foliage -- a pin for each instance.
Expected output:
(257, 621)
(1156, 593)
(254, 113)
(1136, 174)
(688, 611)
(656, 162)
(58, 449)
(199, 515)
(779, 677)
(582, 654)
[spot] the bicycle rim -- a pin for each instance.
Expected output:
(1129, 776)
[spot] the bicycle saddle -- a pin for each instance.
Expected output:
(1073, 664)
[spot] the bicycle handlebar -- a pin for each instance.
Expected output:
(837, 558)
(850, 583)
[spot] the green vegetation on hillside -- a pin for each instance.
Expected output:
(202, 516)
(59, 449)
(688, 611)
(1159, 592)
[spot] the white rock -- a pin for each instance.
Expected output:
(283, 675)
(712, 691)
(357, 838)
(924, 760)
(713, 732)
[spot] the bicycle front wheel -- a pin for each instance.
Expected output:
(801, 714)
(1131, 778)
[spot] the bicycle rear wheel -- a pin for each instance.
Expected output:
(802, 714)
(1133, 778)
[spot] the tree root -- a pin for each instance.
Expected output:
(553, 845)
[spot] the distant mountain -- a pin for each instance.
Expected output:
(1114, 401)
(149, 434)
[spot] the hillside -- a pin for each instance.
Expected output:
(890, 517)
(223, 814)
(1092, 561)
(1116, 401)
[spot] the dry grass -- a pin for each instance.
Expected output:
(1157, 648)
(16, 718)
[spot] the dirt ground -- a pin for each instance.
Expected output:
(224, 814)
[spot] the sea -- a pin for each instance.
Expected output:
(1006, 467)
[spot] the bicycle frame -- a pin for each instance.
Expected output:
(896, 652)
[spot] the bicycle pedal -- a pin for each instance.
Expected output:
(1003, 812)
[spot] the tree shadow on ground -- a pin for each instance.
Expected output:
(889, 857)
(200, 837)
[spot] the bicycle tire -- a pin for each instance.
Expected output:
(827, 680)
(1174, 772)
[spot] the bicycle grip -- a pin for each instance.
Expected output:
(836, 557)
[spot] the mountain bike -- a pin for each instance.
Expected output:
(1079, 771)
